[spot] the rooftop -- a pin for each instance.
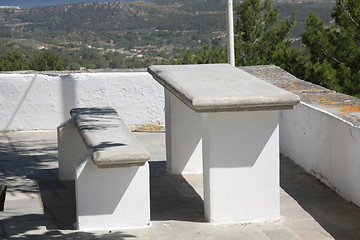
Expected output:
(39, 206)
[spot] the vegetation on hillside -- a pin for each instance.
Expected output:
(335, 51)
(314, 40)
(119, 34)
(129, 34)
(15, 61)
(260, 39)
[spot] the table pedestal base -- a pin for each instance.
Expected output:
(183, 137)
(238, 154)
(241, 166)
(239, 142)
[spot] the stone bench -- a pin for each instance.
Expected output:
(110, 169)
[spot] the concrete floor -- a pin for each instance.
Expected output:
(38, 206)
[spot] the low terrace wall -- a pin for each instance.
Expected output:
(325, 145)
(322, 133)
(31, 101)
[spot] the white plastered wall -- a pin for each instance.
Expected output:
(325, 145)
(43, 101)
(322, 143)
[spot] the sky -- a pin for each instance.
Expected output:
(40, 3)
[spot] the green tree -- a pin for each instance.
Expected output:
(115, 60)
(259, 37)
(207, 55)
(335, 51)
(14, 61)
(331, 57)
(47, 61)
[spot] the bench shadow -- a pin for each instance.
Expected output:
(93, 118)
(172, 197)
(338, 217)
(107, 144)
(30, 169)
(37, 204)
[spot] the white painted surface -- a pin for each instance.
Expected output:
(315, 139)
(106, 198)
(183, 137)
(39, 101)
(111, 198)
(325, 145)
(241, 150)
(70, 148)
(230, 32)
(231, 149)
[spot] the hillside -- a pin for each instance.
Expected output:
(91, 21)
(302, 9)
(156, 31)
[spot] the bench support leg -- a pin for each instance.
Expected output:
(111, 198)
(241, 166)
(183, 137)
(70, 148)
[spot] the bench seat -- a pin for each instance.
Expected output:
(110, 169)
(112, 144)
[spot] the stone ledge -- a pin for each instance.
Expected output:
(221, 88)
(111, 142)
(341, 105)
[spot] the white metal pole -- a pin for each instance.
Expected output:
(230, 31)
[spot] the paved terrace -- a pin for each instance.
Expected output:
(38, 206)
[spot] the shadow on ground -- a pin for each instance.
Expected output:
(336, 216)
(38, 206)
(173, 198)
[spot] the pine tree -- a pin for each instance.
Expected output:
(332, 55)
(259, 39)
(207, 55)
(47, 61)
(335, 51)
(14, 61)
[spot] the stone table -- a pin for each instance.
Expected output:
(224, 122)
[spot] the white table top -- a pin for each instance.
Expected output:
(221, 88)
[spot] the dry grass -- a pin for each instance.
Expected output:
(149, 128)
